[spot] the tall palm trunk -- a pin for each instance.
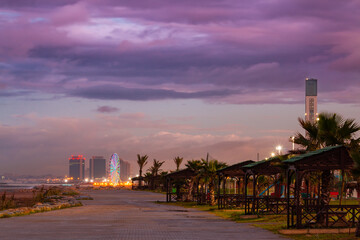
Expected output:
(191, 188)
(324, 193)
(212, 193)
(325, 187)
(140, 178)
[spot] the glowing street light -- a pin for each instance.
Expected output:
(272, 154)
(279, 149)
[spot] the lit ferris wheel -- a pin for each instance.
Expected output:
(114, 169)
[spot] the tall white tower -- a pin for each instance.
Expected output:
(311, 113)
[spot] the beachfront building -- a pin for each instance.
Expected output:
(77, 167)
(311, 99)
(124, 170)
(97, 168)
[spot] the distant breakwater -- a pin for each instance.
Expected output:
(16, 186)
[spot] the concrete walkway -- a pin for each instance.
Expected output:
(123, 214)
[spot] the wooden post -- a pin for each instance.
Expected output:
(342, 186)
(167, 190)
(224, 185)
(218, 193)
(245, 191)
(296, 198)
(288, 181)
(254, 193)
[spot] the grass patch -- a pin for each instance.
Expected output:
(273, 223)
(345, 202)
(149, 190)
(71, 192)
(344, 236)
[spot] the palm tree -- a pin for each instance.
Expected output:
(335, 130)
(178, 160)
(155, 168)
(195, 166)
(142, 161)
(208, 174)
(311, 140)
(147, 178)
(331, 129)
(154, 171)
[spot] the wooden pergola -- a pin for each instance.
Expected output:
(137, 181)
(256, 204)
(306, 212)
(236, 172)
(178, 178)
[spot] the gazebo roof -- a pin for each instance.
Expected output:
(236, 169)
(328, 158)
(184, 173)
(265, 167)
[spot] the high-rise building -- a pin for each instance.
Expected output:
(97, 167)
(311, 99)
(77, 167)
(124, 170)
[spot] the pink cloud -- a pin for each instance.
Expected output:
(44, 145)
(70, 14)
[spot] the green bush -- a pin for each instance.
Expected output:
(6, 203)
(70, 192)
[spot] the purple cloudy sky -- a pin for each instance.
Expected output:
(167, 78)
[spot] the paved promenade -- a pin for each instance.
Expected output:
(129, 215)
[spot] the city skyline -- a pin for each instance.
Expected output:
(166, 80)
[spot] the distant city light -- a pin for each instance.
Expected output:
(110, 184)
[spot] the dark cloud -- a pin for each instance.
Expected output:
(107, 109)
(248, 45)
(225, 66)
(35, 3)
(8, 93)
(111, 92)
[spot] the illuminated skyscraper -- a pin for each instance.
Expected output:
(97, 167)
(124, 170)
(311, 99)
(77, 167)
